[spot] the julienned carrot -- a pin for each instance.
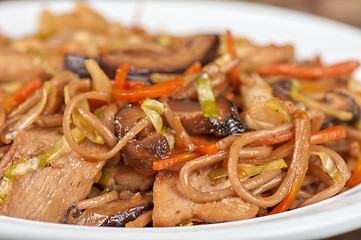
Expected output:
(355, 178)
(230, 44)
(328, 134)
(120, 76)
(154, 91)
(231, 49)
(120, 81)
(195, 67)
(286, 202)
(174, 160)
(204, 147)
(134, 84)
(275, 139)
(309, 72)
(21, 95)
(325, 135)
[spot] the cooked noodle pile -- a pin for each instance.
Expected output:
(105, 125)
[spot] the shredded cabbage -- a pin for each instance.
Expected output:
(273, 165)
(206, 97)
(297, 96)
(329, 166)
(153, 109)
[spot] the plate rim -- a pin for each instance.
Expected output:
(353, 192)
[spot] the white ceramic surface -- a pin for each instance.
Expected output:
(309, 34)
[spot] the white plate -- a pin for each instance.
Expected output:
(310, 35)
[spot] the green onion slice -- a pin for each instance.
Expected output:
(206, 97)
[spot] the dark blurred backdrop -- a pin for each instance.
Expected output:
(347, 11)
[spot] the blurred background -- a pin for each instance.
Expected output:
(346, 11)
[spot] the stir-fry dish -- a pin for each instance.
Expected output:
(107, 125)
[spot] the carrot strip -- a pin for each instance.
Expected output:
(325, 135)
(234, 73)
(284, 205)
(195, 67)
(154, 91)
(174, 160)
(230, 44)
(355, 178)
(18, 97)
(120, 76)
(275, 139)
(328, 134)
(309, 72)
(204, 147)
(134, 84)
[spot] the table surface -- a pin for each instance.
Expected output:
(346, 11)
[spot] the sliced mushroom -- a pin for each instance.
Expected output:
(114, 214)
(140, 154)
(126, 117)
(227, 123)
(281, 88)
(145, 60)
(75, 63)
(341, 101)
(148, 146)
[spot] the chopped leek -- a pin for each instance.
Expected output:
(32, 164)
(297, 96)
(5, 186)
(101, 81)
(354, 85)
(169, 133)
(273, 165)
(329, 166)
(223, 60)
(164, 40)
(218, 174)
(276, 105)
(206, 97)
(44, 158)
(105, 177)
(80, 123)
(28, 118)
(11, 87)
(162, 77)
(153, 109)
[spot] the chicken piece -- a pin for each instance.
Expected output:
(173, 208)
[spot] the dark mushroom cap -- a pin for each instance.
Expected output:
(227, 123)
(341, 101)
(144, 61)
(116, 213)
